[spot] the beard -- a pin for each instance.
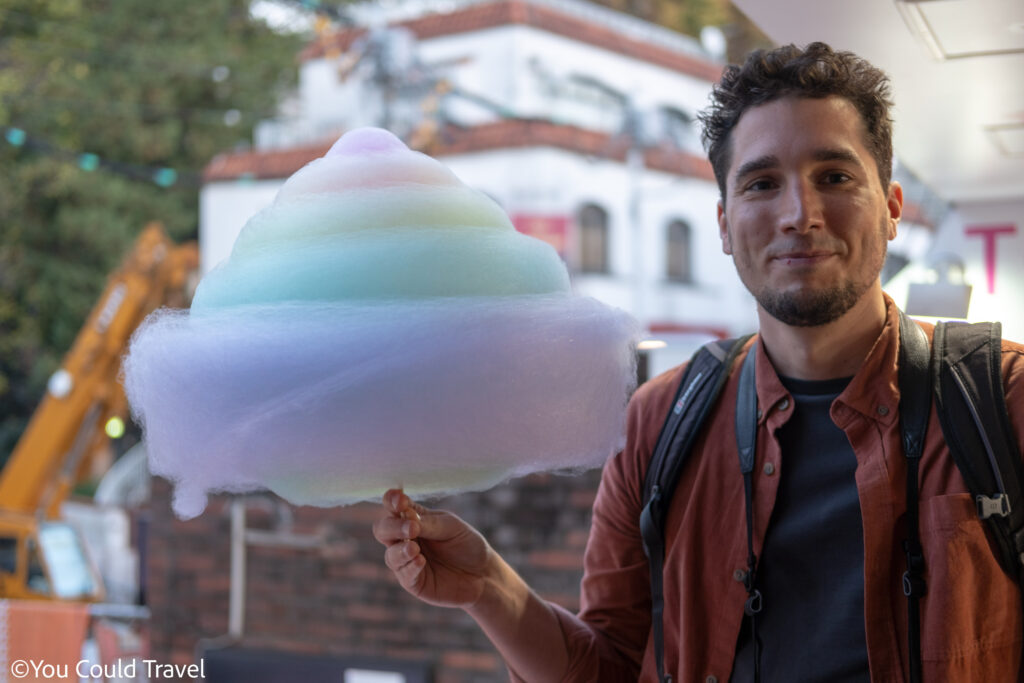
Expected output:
(813, 307)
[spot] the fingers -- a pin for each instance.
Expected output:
(401, 505)
(396, 530)
(390, 529)
(393, 500)
(403, 520)
(406, 561)
(400, 554)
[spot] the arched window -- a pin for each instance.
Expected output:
(678, 256)
(592, 222)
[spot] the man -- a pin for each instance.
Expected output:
(800, 141)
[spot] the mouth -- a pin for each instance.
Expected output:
(803, 258)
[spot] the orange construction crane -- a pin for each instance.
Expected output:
(84, 406)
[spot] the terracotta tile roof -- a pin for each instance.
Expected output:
(506, 134)
(506, 12)
(261, 164)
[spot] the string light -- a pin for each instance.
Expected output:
(161, 176)
(131, 110)
(88, 162)
(165, 177)
(15, 136)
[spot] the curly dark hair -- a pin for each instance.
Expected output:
(813, 72)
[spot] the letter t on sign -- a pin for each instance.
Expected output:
(989, 234)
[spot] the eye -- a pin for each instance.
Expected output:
(761, 185)
(836, 177)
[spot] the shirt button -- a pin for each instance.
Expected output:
(759, 413)
(740, 575)
(883, 410)
(769, 468)
(784, 404)
(711, 679)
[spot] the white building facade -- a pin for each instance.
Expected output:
(577, 120)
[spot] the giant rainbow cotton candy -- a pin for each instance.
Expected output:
(379, 325)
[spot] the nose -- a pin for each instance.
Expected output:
(800, 207)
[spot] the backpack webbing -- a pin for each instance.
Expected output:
(914, 410)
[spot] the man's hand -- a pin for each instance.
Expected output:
(435, 555)
(443, 561)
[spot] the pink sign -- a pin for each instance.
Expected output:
(551, 229)
(989, 233)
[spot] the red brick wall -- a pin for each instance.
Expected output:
(337, 598)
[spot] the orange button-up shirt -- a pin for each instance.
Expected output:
(971, 615)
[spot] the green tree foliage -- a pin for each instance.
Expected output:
(142, 85)
(690, 16)
(685, 16)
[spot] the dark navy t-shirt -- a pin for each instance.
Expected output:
(811, 570)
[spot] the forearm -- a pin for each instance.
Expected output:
(521, 625)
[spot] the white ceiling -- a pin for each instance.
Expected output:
(959, 119)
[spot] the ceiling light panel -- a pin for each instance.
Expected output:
(955, 29)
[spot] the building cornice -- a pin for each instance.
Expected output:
(499, 135)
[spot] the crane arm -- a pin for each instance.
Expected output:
(85, 393)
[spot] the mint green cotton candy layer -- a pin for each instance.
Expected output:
(330, 213)
(392, 263)
(373, 221)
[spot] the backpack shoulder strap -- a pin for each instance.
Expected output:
(971, 402)
(702, 382)
(915, 409)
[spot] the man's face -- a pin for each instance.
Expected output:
(806, 219)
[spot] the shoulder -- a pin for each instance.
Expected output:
(1013, 350)
(1012, 359)
(658, 391)
(646, 415)
(1013, 368)
(649, 407)
(1013, 386)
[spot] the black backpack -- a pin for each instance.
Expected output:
(964, 375)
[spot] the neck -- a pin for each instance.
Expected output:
(836, 349)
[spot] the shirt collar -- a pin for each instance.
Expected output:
(770, 390)
(872, 392)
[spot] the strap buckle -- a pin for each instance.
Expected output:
(915, 557)
(754, 604)
(998, 504)
(914, 585)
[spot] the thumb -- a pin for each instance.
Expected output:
(437, 525)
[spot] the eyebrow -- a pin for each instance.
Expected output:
(772, 161)
(755, 165)
(836, 154)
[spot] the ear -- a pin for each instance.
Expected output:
(894, 202)
(723, 230)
